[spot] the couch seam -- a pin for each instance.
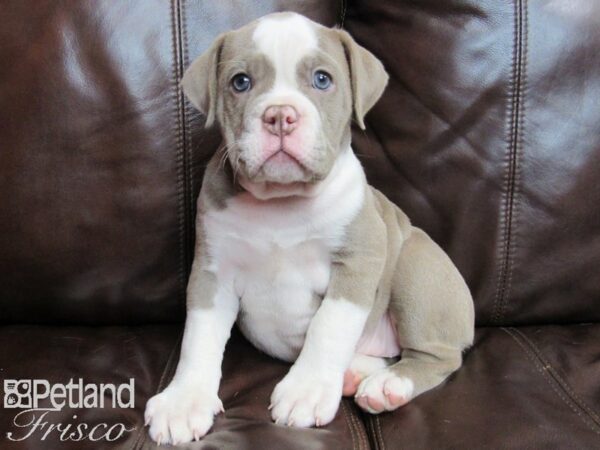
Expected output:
(362, 440)
(179, 151)
(378, 422)
(511, 190)
(188, 140)
(370, 431)
(167, 369)
(374, 437)
(360, 427)
(349, 423)
(543, 369)
(342, 16)
(565, 385)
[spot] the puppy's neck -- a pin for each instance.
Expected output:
(268, 191)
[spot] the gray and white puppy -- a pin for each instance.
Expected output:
(318, 268)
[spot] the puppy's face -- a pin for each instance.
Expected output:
(283, 90)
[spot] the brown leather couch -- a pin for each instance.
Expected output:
(488, 137)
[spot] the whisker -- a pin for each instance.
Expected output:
(226, 149)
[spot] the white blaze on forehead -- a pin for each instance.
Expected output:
(285, 40)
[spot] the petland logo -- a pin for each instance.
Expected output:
(33, 420)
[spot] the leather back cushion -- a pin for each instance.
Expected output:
(488, 137)
(97, 173)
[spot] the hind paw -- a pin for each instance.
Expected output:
(361, 367)
(384, 391)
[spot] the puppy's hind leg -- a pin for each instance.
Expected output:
(433, 310)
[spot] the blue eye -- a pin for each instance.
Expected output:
(241, 82)
(321, 80)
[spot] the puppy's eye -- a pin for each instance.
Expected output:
(321, 80)
(241, 82)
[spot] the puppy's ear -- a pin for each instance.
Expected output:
(368, 78)
(200, 80)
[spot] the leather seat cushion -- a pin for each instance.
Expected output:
(527, 387)
(149, 354)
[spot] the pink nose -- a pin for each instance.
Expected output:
(280, 120)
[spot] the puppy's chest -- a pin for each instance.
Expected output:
(280, 288)
(278, 258)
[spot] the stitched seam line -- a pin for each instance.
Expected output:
(554, 384)
(184, 105)
(356, 427)
(371, 434)
(380, 434)
(343, 8)
(360, 426)
(187, 111)
(559, 379)
(181, 157)
(166, 370)
(511, 176)
(517, 156)
(377, 442)
(349, 423)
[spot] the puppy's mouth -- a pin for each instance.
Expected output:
(281, 174)
(283, 157)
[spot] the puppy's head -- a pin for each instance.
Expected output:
(283, 90)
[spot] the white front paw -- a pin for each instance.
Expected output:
(180, 414)
(303, 399)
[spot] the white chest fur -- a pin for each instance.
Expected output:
(277, 255)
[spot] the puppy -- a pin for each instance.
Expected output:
(317, 267)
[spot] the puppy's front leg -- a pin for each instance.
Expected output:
(186, 408)
(310, 393)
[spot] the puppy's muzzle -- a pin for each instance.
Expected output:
(280, 120)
